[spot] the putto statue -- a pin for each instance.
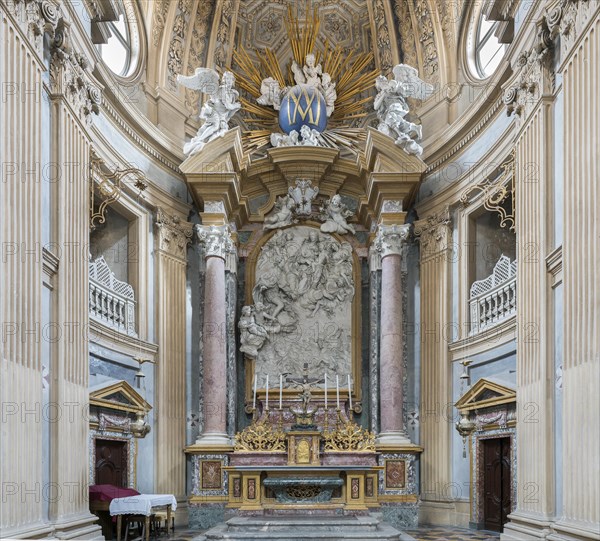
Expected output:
(222, 104)
(391, 106)
(282, 215)
(335, 214)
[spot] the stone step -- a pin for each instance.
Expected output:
(301, 528)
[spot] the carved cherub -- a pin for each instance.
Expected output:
(335, 214)
(283, 213)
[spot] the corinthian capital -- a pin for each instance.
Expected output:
(434, 232)
(173, 234)
(217, 241)
(391, 238)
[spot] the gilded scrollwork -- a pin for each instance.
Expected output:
(260, 437)
(349, 437)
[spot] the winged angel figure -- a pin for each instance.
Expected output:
(219, 108)
(391, 106)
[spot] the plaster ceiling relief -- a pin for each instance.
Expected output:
(261, 24)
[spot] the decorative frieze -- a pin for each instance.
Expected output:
(382, 34)
(173, 234)
(434, 233)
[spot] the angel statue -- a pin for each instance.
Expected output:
(335, 214)
(252, 334)
(270, 93)
(391, 106)
(222, 104)
(283, 214)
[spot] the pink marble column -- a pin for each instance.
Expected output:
(391, 370)
(214, 388)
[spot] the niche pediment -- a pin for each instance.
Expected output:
(119, 396)
(486, 393)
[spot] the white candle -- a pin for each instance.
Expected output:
(255, 383)
(280, 390)
(349, 392)
(267, 394)
(325, 390)
(337, 390)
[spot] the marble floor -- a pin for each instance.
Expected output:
(436, 533)
(424, 533)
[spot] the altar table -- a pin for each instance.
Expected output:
(142, 504)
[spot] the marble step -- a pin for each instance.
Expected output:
(301, 528)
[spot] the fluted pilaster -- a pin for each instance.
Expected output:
(435, 236)
(173, 236)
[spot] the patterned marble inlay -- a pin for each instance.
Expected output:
(388, 481)
(205, 474)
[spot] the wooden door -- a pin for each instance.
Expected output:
(496, 483)
(111, 463)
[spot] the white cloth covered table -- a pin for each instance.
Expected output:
(141, 504)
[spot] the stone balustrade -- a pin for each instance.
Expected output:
(112, 301)
(494, 298)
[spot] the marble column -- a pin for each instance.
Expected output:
(218, 245)
(389, 242)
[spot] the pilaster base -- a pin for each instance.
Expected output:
(83, 526)
(523, 527)
(574, 531)
(449, 513)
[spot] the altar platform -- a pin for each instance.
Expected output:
(300, 528)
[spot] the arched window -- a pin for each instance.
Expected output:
(120, 51)
(488, 49)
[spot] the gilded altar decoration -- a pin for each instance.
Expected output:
(260, 436)
(348, 436)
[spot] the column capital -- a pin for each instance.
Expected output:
(174, 234)
(218, 241)
(390, 239)
(434, 232)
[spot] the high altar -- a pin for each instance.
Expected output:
(304, 239)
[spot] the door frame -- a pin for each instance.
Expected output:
(477, 472)
(131, 449)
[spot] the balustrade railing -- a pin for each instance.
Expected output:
(111, 301)
(494, 298)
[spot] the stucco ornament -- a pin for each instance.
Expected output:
(217, 111)
(302, 305)
(391, 106)
(335, 215)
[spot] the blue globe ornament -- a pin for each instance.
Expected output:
(303, 105)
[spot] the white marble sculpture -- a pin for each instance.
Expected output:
(282, 215)
(217, 111)
(303, 195)
(302, 300)
(270, 93)
(391, 106)
(335, 214)
(252, 335)
(306, 137)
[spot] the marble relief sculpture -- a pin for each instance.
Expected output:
(302, 297)
(391, 106)
(217, 111)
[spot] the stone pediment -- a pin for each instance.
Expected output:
(119, 396)
(486, 393)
